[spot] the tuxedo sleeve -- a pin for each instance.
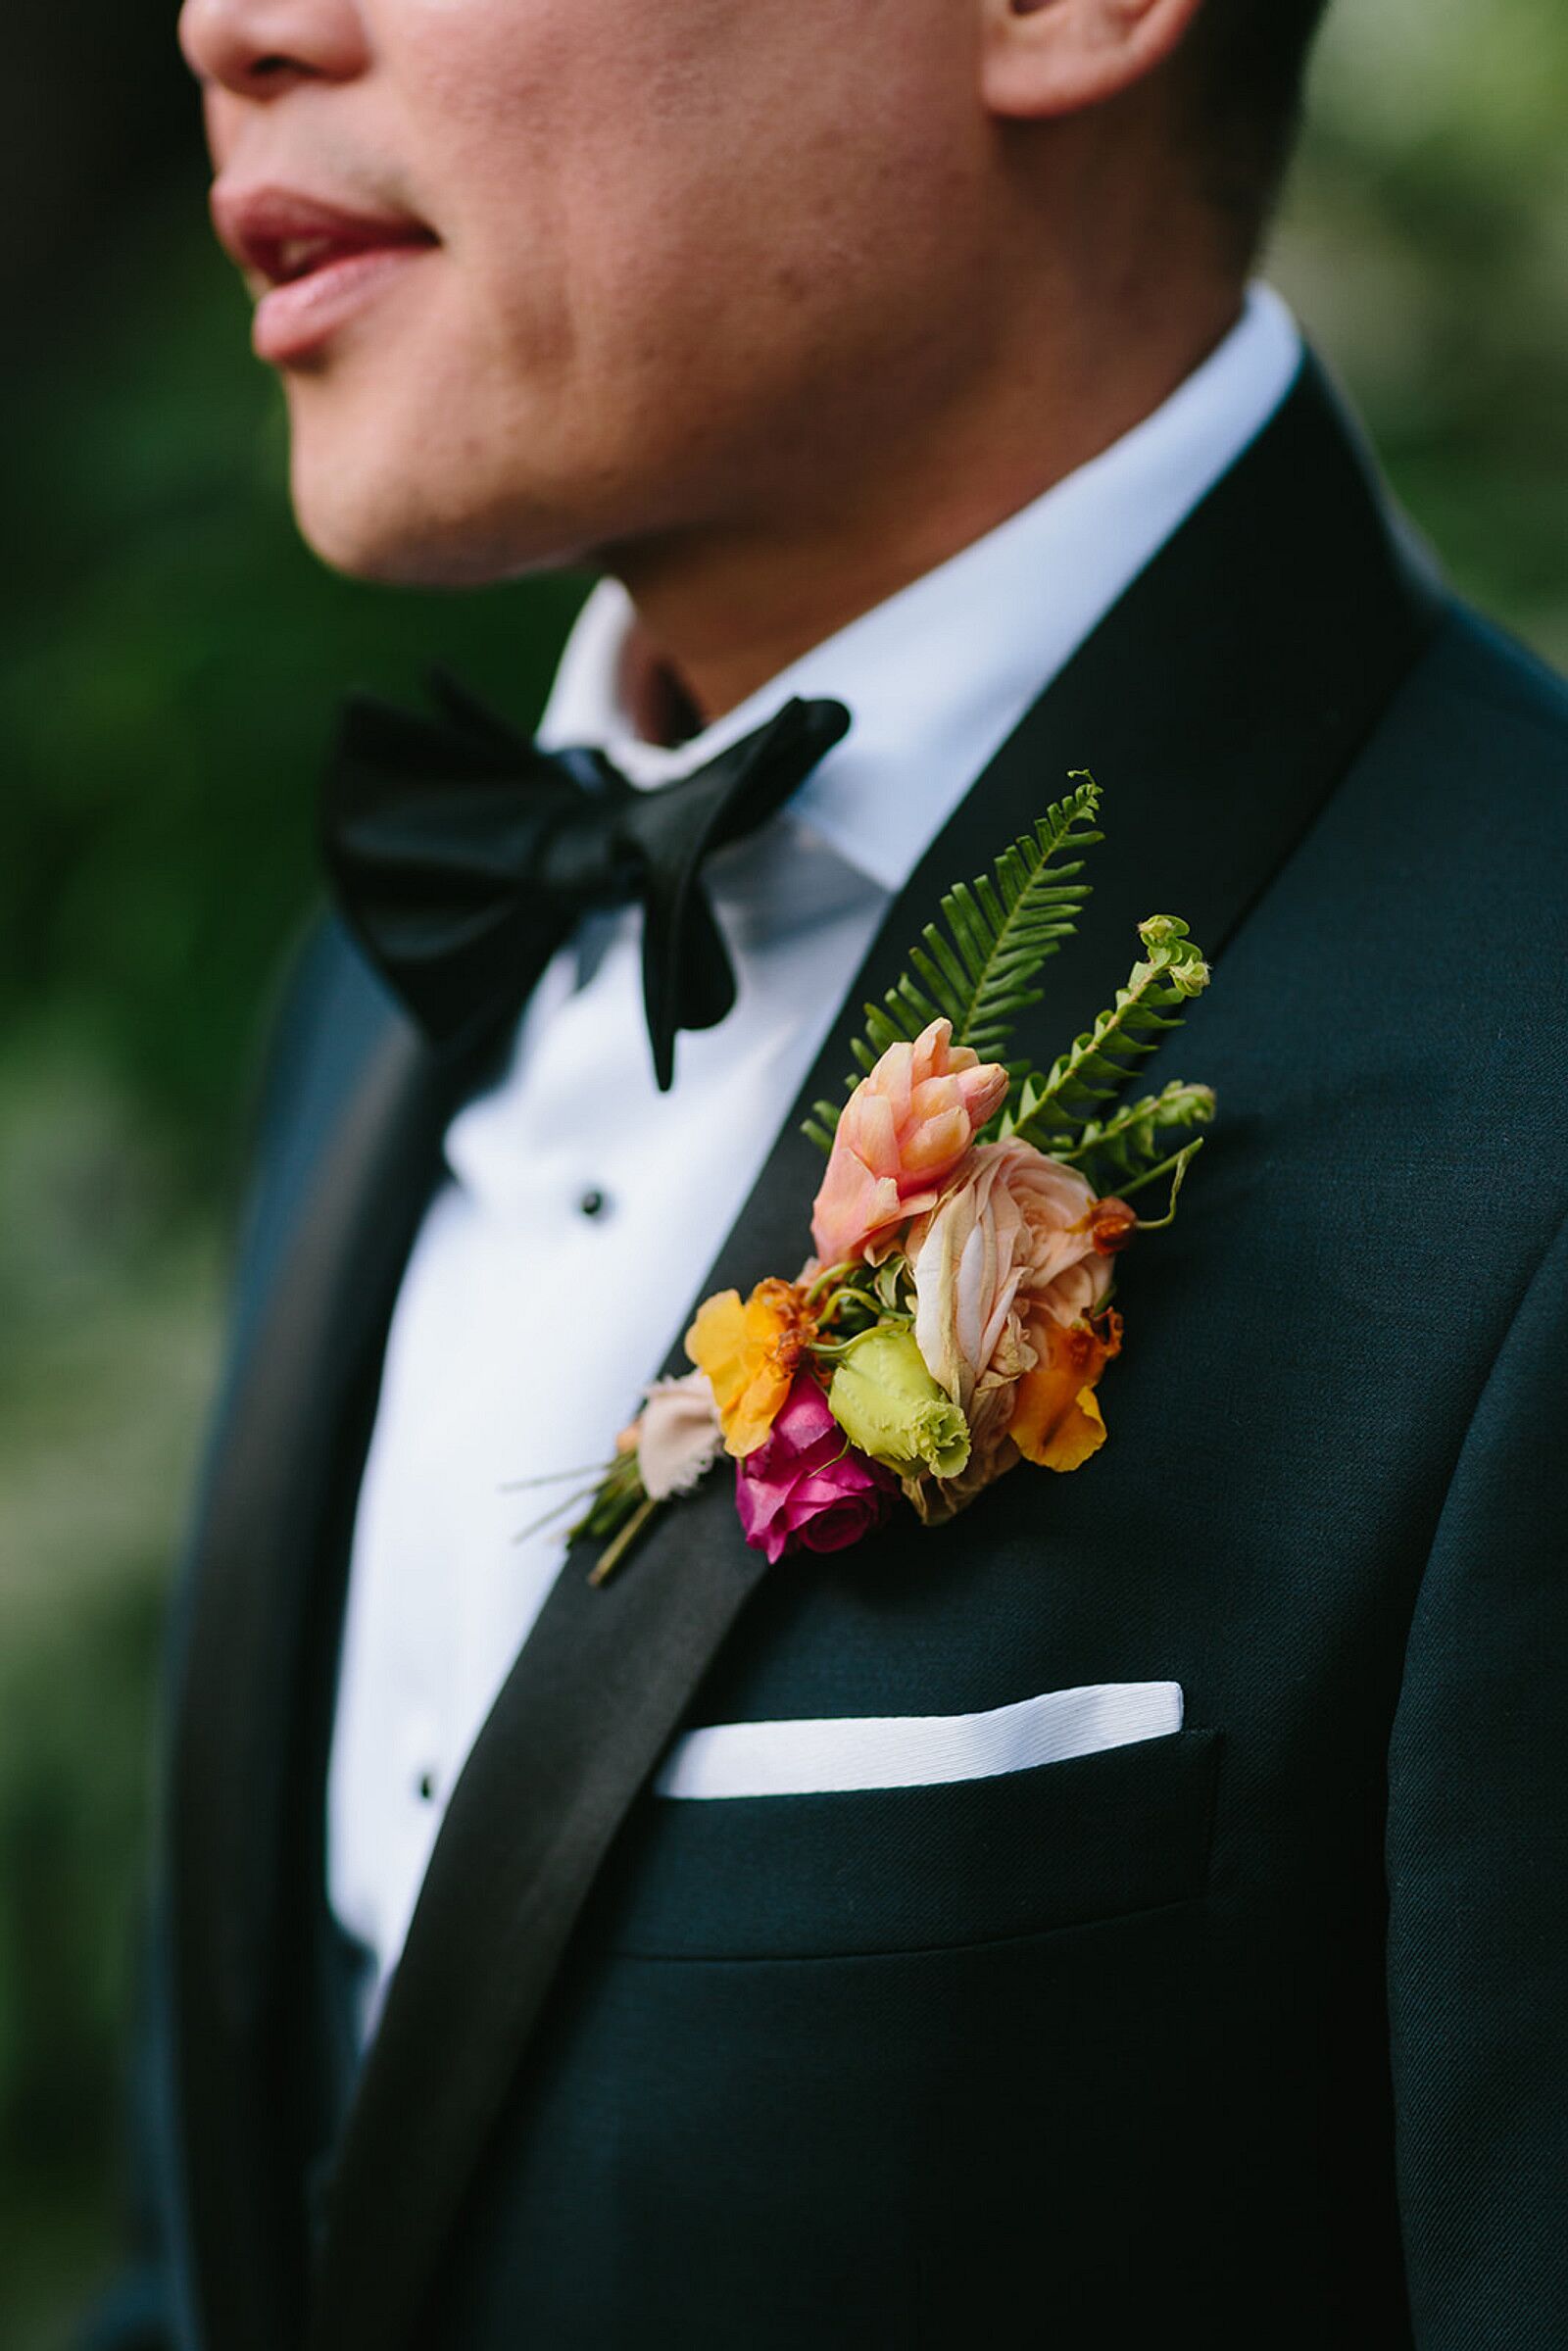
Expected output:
(1478, 1868)
(301, 1062)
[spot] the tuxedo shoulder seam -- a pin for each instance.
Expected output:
(1496, 672)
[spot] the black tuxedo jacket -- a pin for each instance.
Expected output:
(1251, 2034)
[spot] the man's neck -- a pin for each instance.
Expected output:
(723, 610)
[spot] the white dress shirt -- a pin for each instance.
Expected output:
(558, 1260)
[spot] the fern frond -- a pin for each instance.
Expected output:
(1175, 1167)
(1113, 1152)
(1092, 1072)
(976, 967)
(819, 1128)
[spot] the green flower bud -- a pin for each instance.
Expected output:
(886, 1403)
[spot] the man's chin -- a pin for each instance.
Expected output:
(382, 535)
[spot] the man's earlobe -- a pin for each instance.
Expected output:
(1057, 56)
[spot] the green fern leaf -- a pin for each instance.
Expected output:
(819, 1127)
(1053, 1109)
(1118, 1150)
(977, 971)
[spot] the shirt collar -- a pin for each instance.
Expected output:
(937, 675)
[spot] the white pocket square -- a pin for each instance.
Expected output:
(916, 1750)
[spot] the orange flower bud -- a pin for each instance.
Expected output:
(1111, 1225)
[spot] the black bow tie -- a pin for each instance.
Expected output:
(463, 856)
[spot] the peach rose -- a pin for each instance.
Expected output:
(1007, 1257)
(900, 1135)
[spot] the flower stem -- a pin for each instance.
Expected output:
(556, 1477)
(828, 1275)
(537, 1526)
(610, 1557)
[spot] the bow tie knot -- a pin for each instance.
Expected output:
(463, 856)
(579, 845)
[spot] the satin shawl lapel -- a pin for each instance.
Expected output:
(277, 1465)
(1218, 704)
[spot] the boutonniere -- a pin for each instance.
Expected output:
(957, 1314)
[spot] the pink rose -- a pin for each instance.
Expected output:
(805, 1486)
(900, 1135)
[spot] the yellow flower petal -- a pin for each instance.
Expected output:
(751, 1353)
(1056, 1420)
(1080, 1432)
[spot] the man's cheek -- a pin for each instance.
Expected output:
(497, 72)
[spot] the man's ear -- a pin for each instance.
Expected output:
(1057, 56)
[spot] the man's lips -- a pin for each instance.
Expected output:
(313, 263)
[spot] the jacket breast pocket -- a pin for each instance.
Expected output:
(910, 1868)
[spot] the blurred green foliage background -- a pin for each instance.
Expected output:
(169, 662)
